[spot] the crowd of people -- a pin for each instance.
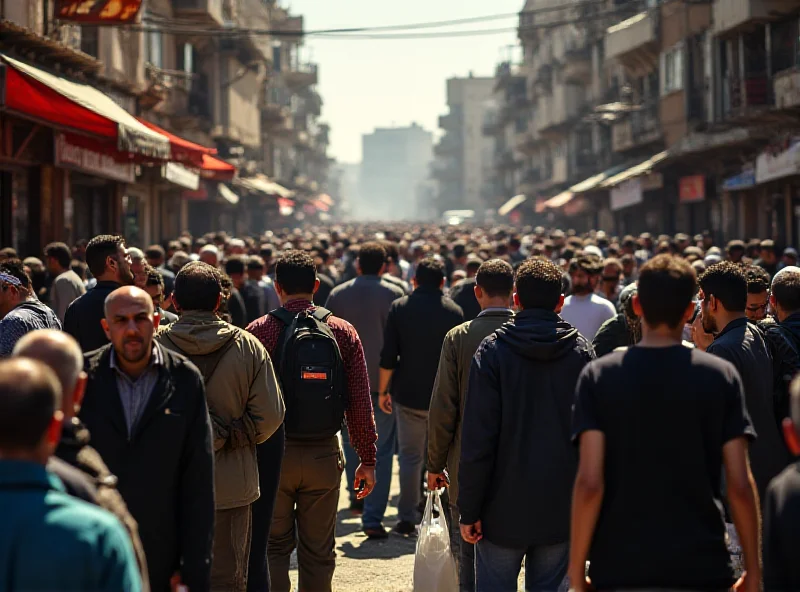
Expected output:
(180, 416)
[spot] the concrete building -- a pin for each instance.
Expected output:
(464, 155)
(394, 163)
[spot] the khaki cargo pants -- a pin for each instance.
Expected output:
(305, 515)
(233, 530)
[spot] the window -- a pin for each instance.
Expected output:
(89, 40)
(672, 70)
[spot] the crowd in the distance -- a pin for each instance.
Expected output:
(625, 403)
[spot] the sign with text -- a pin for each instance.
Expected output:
(627, 194)
(98, 12)
(770, 166)
(692, 188)
(94, 162)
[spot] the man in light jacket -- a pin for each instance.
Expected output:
(494, 283)
(245, 405)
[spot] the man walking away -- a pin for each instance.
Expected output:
(257, 272)
(415, 330)
(782, 514)
(235, 269)
(154, 286)
(146, 410)
(156, 257)
(67, 286)
(77, 464)
(245, 406)
(464, 293)
(108, 260)
(585, 310)
(517, 463)
(20, 310)
(494, 284)
(365, 302)
(660, 404)
(324, 378)
(724, 296)
(49, 540)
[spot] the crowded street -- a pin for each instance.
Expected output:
(355, 296)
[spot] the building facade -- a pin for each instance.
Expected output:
(394, 167)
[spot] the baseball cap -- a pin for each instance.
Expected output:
(9, 279)
(790, 251)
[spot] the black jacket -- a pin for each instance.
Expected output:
(613, 333)
(165, 469)
(464, 295)
(415, 330)
(517, 461)
(83, 317)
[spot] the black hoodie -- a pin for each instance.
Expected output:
(517, 462)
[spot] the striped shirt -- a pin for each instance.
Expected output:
(135, 393)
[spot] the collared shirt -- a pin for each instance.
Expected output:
(28, 316)
(135, 393)
(359, 413)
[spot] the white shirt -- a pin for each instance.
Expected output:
(587, 313)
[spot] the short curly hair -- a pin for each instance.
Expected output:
(296, 273)
(539, 284)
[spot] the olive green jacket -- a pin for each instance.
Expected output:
(450, 389)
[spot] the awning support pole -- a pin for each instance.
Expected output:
(27, 140)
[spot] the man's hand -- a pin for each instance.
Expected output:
(385, 403)
(437, 481)
(364, 476)
(700, 338)
(747, 584)
(472, 533)
(581, 584)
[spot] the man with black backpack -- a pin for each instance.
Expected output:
(323, 373)
(245, 405)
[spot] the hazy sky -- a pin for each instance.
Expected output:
(379, 83)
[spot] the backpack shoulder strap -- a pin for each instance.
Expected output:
(283, 315)
(321, 314)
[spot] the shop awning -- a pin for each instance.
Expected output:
(227, 194)
(320, 205)
(326, 199)
(262, 184)
(512, 203)
(559, 200)
(216, 169)
(640, 169)
(181, 150)
(584, 186)
(37, 94)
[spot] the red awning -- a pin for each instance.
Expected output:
(182, 150)
(320, 205)
(216, 169)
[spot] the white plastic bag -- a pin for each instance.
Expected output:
(434, 566)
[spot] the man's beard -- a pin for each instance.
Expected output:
(126, 278)
(709, 324)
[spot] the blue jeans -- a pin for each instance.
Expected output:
(375, 503)
(497, 568)
(463, 552)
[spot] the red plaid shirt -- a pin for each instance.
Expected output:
(359, 413)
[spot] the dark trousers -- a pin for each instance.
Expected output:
(270, 458)
(232, 532)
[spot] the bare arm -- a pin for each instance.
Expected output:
(587, 499)
(743, 503)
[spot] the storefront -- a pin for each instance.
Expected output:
(778, 180)
(739, 205)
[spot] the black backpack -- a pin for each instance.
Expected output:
(311, 372)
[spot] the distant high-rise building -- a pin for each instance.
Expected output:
(464, 155)
(395, 163)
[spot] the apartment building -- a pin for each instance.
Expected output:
(394, 167)
(464, 155)
(188, 98)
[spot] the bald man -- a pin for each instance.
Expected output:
(77, 464)
(145, 407)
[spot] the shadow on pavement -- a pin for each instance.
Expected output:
(391, 548)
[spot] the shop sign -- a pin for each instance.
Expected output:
(94, 162)
(692, 188)
(771, 166)
(743, 180)
(652, 182)
(180, 175)
(98, 12)
(627, 194)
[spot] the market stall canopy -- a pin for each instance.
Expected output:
(584, 186)
(227, 194)
(326, 199)
(216, 169)
(320, 205)
(640, 169)
(512, 203)
(262, 184)
(559, 200)
(37, 94)
(182, 150)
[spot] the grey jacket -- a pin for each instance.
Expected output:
(67, 288)
(450, 389)
(364, 302)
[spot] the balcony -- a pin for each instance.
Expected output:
(505, 161)
(577, 67)
(528, 142)
(449, 145)
(543, 80)
(530, 180)
(451, 121)
(170, 89)
(732, 15)
(742, 98)
(291, 27)
(638, 129)
(492, 125)
(634, 42)
(202, 12)
(299, 75)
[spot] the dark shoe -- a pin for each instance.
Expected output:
(376, 533)
(357, 507)
(404, 528)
